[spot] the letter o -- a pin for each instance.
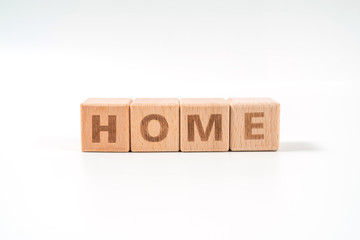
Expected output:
(164, 128)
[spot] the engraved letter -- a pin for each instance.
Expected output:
(97, 128)
(249, 126)
(164, 128)
(204, 136)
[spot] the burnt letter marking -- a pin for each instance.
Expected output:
(204, 136)
(97, 128)
(249, 126)
(164, 128)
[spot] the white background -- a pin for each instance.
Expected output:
(56, 54)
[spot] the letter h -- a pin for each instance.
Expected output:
(110, 128)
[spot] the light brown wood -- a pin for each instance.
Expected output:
(105, 125)
(254, 124)
(155, 125)
(204, 124)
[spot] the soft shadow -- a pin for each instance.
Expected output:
(223, 166)
(298, 147)
(73, 145)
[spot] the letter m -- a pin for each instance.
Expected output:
(215, 119)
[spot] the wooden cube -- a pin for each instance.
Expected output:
(204, 124)
(254, 124)
(105, 125)
(155, 125)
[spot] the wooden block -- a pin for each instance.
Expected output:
(105, 125)
(254, 124)
(155, 125)
(204, 124)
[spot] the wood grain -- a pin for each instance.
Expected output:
(155, 124)
(204, 124)
(105, 125)
(254, 124)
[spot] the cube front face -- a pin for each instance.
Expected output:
(204, 125)
(255, 124)
(155, 125)
(105, 125)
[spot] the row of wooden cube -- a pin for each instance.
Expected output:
(170, 124)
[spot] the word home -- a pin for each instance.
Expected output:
(171, 125)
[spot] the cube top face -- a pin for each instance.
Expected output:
(203, 102)
(107, 102)
(155, 125)
(252, 101)
(155, 102)
(204, 125)
(255, 124)
(105, 125)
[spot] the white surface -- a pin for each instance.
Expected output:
(55, 55)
